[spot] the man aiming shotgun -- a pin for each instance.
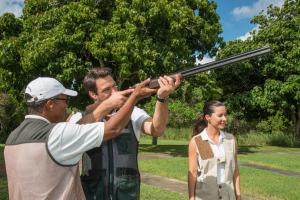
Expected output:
(111, 171)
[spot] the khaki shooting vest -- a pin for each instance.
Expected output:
(111, 171)
(207, 187)
(31, 172)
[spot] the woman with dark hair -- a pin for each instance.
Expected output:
(213, 170)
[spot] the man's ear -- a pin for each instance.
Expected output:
(49, 105)
(93, 95)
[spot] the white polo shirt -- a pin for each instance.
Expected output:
(138, 117)
(68, 141)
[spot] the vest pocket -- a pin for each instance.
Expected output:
(124, 142)
(93, 187)
(128, 187)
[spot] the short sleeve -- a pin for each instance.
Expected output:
(67, 142)
(138, 117)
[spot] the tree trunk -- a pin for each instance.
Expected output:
(154, 140)
(101, 63)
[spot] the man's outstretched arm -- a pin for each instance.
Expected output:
(97, 111)
(156, 126)
(117, 122)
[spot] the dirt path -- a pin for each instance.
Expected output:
(165, 183)
(274, 170)
(148, 156)
(181, 186)
(170, 184)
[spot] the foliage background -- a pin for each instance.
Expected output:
(138, 39)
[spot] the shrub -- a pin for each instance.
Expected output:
(180, 113)
(261, 139)
(10, 115)
(274, 124)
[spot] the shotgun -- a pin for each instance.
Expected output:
(217, 64)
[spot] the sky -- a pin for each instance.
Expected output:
(235, 15)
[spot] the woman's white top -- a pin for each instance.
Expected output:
(219, 153)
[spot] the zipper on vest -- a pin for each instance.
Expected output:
(110, 170)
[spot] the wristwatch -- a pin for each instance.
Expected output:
(162, 100)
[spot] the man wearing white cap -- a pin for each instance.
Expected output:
(42, 153)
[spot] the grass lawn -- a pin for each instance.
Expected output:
(147, 140)
(169, 167)
(260, 183)
(290, 162)
(153, 193)
(3, 188)
(271, 156)
(266, 149)
(254, 182)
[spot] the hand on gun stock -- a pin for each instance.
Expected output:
(168, 84)
(142, 90)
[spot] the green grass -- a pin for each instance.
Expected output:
(172, 147)
(153, 193)
(290, 162)
(259, 183)
(169, 167)
(254, 182)
(3, 180)
(3, 188)
(161, 141)
(147, 192)
(266, 149)
(251, 138)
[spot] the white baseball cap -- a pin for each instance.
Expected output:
(44, 88)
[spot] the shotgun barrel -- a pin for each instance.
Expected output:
(218, 64)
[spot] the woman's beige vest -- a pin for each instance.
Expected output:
(207, 187)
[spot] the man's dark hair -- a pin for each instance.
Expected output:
(89, 81)
(34, 107)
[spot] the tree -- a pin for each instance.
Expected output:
(136, 38)
(269, 86)
(10, 29)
